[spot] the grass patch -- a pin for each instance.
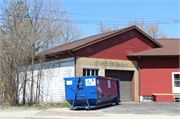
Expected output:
(48, 105)
(4, 105)
(43, 106)
(66, 104)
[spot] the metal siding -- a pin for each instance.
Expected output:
(156, 76)
(118, 46)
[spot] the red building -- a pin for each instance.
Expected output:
(148, 69)
(159, 70)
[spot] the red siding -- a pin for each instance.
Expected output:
(118, 47)
(156, 75)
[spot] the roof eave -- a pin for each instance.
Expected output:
(54, 53)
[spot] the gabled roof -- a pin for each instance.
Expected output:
(171, 47)
(73, 46)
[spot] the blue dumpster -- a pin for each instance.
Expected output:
(91, 91)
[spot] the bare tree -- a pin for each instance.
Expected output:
(103, 27)
(69, 32)
(28, 27)
(151, 29)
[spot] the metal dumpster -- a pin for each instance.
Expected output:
(91, 91)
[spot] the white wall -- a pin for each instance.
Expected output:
(52, 82)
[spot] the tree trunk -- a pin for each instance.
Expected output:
(24, 89)
(17, 88)
(32, 81)
(37, 89)
(40, 74)
(32, 70)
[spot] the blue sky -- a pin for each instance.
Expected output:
(88, 13)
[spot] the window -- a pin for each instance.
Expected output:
(90, 72)
(176, 82)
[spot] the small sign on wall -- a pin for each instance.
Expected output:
(109, 83)
(90, 82)
(68, 82)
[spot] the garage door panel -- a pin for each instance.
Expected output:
(126, 90)
(125, 82)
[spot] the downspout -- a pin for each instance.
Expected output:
(139, 77)
(74, 55)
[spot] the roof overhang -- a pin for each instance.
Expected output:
(53, 54)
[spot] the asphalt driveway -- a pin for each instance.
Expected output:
(152, 108)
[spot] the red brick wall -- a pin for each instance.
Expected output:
(118, 47)
(156, 75)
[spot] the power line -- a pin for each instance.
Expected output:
(105, 14)
(119, 16)
(95, 22)
(122, 16)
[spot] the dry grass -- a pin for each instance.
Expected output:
(42, 106)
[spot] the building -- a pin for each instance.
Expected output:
(159, 70)
(145, 66)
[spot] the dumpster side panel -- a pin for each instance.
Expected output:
(89, 83)
(107, 91)
(98, 90)
(70, 87)
(118, 89)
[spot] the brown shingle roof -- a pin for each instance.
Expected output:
(73, 46)
(171, 47)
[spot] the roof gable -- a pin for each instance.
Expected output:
(74, 46)
(117, 32)
(118, 46)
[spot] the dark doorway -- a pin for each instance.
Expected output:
(125, 82)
